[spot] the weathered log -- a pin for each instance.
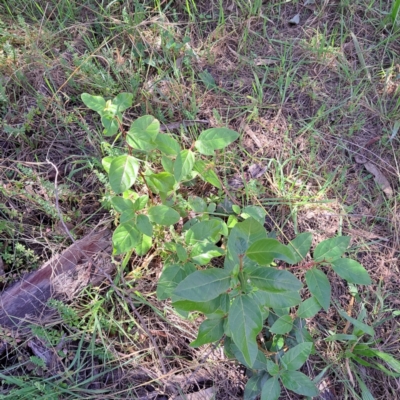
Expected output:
(64, 275)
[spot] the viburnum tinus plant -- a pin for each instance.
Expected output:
(223, 266)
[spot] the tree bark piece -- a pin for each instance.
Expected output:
(83, 263)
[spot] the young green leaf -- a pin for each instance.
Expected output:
(214, 139)
(300, 246)
(96, 103)
(170, 277)
(298, 383)
(282, 325)
(294, 358)
(207, 173)
(167, 145)
(210, 331)
(351, 271)
(331, 249)
(203, 253)
(143, 133)
(143, 225)
(183, 164)
(308, 308)
(204, 231)
(319, 287)
(204, 285)
(264, 251)
(123, 173)
(163, 215)
(271, 389)
(258, 213)
(125, 238)
(110, 125)
(272, 280)
(122, 101)
(144, 245)
(106, 162)
(245, 322)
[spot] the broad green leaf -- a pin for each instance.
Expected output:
(181, 253)
(120, 204)
(110, 125)
(351, 271)
(163, 182)
(341, 336)
(358, 324)
(183, 164)
(167, 145)
(106, 162)
(96, 103)
(264, 251)
(122, 101)
(272, 368)
(170, 277)
(261, 360)
(197, 204)
(258, 213)
(331, 249)
(204, 231)
(253, 387)
(319, 287)
(143, 225)
(163, 215)
(298, 383)
(214, 139)
(245, 322)
(203, 253)
(279, 299)
(236, 209)
(123, 173)
(272, 280)
(128, 216)
(143, 133)
(207, 173)
(140, 202)
(271, 389)
(125, 238)
(204, 285)
(300, 246)
(144, 245)
(210, 331)
(282, 325)
(168, 164)
(308, 308)
(294, 358)
(206, 307)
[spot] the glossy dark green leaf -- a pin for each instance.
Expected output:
(300, 246)
(264, 251)
(163, 215)
(294, 358)
(272, 368)
(273, 280)
(214, 139)
(204, 285)
(245, 322)
(319, 287)
(123, 173)
(125, 238)
(351, 271)
(331, 249)
(298, 383)
(210, 331)
(261, 360)
(308, 308)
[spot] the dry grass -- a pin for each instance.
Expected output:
(306, 98)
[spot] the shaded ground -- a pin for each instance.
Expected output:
(307, 98)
